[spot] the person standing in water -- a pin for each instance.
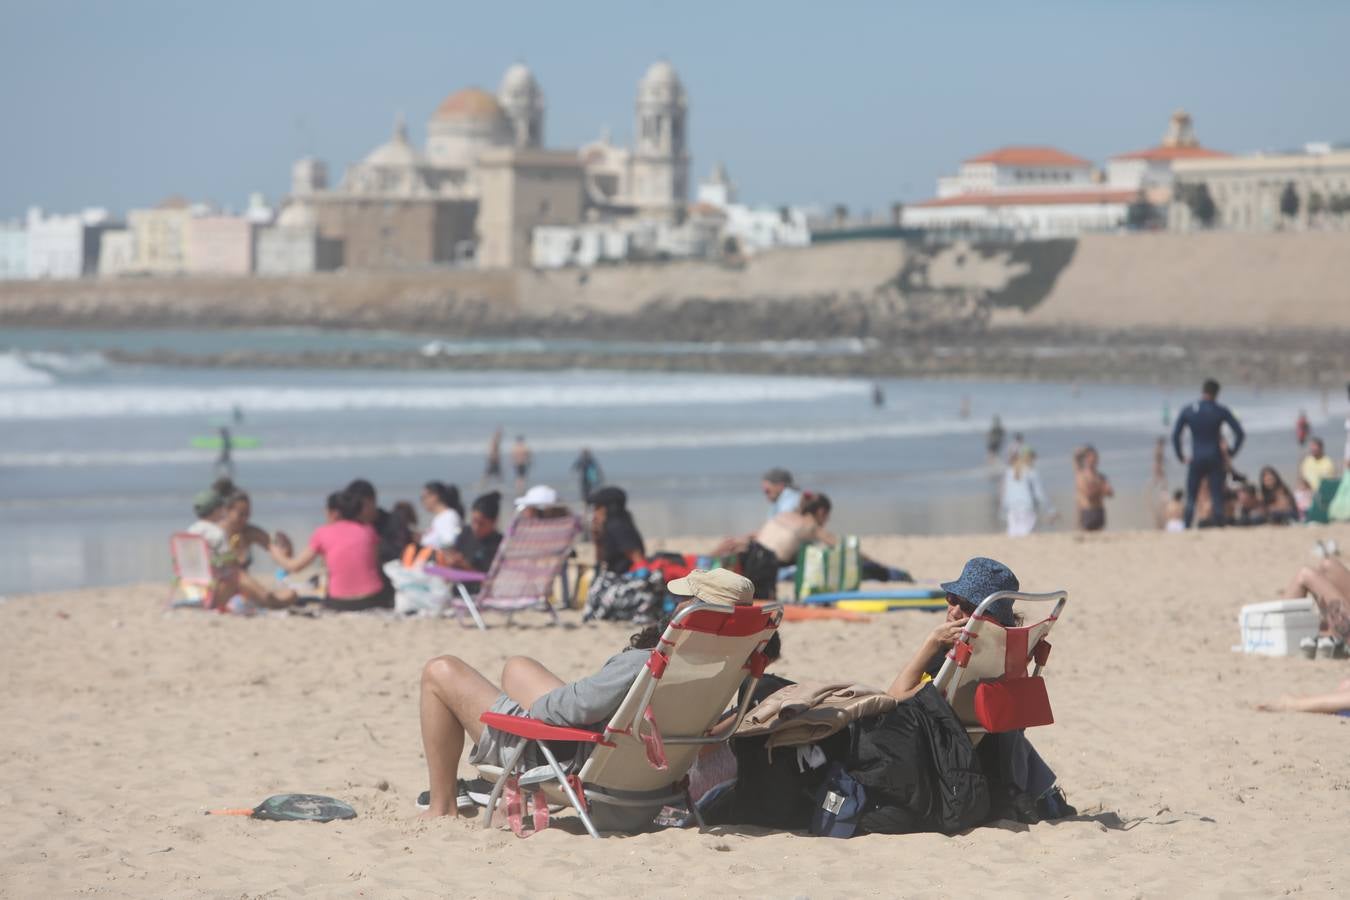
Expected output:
(588, 472)
(521, 459)
(994, 441)
(225, 461)
(1205, 418)
(1301, 428)
(1092, 488)
(878, 395)
(1024, 500)
(493, 470)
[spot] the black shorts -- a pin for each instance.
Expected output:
(383, 600)
(1092, 519)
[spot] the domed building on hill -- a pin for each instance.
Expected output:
(484, 180)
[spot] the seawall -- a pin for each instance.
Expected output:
(890, 290)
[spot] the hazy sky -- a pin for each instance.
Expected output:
(121, 102)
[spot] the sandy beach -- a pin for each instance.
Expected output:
(120, 725)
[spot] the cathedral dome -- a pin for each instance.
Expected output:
(396, 152)
(471, 104)
(297, 215)
(518, 80)
(661, 84)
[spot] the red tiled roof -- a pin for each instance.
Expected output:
(1171, 153)
(1047, 198)
(1030, 156)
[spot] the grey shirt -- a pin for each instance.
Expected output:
(593, 699)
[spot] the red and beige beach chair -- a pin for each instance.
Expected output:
(640, 762)
(194, 578)
(985, 676)
(532, 554)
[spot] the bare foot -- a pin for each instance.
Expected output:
(432, 814)
(1284, 704)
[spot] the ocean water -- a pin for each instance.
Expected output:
(98, 467)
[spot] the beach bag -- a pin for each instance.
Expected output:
(1338, 510)
(416, 591)
(822, 569)
(840, 802)
(919, 769)
(615, 597)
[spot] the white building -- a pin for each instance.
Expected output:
(294, 246)
(623, 240)
(64, 246)
(1032, 191)
(117, 253)
(1151, 171)
(1248, 192)
(13, 250)
(749, 229)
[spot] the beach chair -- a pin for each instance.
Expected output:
(532, 554)
(194, 578)
(640, 761)
(984, 676)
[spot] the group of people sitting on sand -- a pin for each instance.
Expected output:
(357, 539)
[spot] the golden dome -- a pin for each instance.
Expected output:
(470, 103)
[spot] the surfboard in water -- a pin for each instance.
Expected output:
(236, 443)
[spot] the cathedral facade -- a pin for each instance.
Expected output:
(484, 178)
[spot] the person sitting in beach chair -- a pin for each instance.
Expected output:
(454, 697)
(1007, 755)
(477, 545)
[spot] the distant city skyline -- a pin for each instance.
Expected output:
(863, 104)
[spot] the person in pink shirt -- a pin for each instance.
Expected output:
(350, 551)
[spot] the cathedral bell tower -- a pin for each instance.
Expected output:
(660, 186)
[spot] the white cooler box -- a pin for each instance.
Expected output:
(1276, 627)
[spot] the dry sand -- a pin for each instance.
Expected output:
(119, 725)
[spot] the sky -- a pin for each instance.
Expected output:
(120, 104)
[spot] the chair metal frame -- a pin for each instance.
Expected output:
(625, 725)
(952, 674)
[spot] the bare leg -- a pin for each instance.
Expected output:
(1317, 703)
(453, 696)
(1334, 570)
(525, 680)
(273, 597)
(1330, 601)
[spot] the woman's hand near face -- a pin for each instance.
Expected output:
(946, 634)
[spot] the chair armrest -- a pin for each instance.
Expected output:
(464, 575)
(523, 726)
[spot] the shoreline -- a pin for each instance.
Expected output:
(1264, 358)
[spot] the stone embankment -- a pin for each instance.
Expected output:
(1262, 307)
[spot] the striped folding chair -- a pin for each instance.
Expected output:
(984, 676)
(533, 554)
(640, 761)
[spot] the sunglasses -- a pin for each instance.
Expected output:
(965, 607)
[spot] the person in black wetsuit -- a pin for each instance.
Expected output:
(1205, 418)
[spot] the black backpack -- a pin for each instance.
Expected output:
(919, 769)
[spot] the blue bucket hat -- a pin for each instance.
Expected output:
(981, 577)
